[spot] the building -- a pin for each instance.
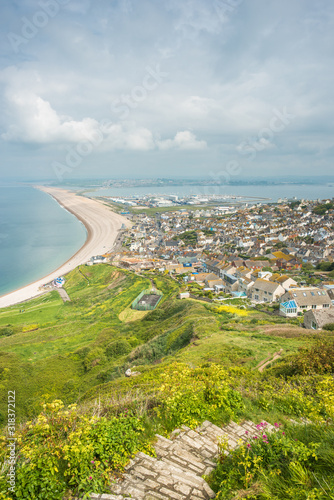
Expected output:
(97, 259)
(317, 319)
(266, 291)
(304, 299)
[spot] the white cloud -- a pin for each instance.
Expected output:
(184, 140)
(35, 121)
(126, 136)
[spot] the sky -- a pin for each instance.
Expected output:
(176, 88)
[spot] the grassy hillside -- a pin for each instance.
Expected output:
(194, 361)
(62, 350)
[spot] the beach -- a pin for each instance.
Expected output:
(102, 225)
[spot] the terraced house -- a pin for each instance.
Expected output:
(266, 291)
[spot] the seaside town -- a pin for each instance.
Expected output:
(274, 256)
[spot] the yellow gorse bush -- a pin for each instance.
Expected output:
(326, 395)
(191, 395)
(232, 310)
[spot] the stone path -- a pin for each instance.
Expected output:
(182, 460)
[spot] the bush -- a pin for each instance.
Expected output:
(64, 451)
(118, 348)
(269, 466)
(329, 327)
(191, 396)
(6, 331)
(94, 357)
(317, 359)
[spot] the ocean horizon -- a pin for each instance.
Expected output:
(37, 236)
(270, 192)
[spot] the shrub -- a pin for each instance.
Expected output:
(118, 348)
(6, 331)
(231, 309)
(317, 359)
(179, 338)
(94, 357)
(64, 451)
(193, 395)
(329, 327)
(267, 466)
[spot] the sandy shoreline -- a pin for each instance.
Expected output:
(102, 227)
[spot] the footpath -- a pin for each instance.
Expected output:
(176, 473)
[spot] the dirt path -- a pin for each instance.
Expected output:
(262, 365)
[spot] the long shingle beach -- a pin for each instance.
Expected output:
(102, 225)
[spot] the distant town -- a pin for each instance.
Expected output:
(278, 257)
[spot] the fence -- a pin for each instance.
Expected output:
(150, 303)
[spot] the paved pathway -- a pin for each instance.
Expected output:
(64, 295)
(182, 460)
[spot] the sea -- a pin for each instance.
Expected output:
(37, 236)
(272, 193)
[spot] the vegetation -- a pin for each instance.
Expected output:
(193, 361)
(188, 237)
(294, 204)
(322, 208)
(325, 266)
(290, 464)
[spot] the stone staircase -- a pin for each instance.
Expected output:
(182, 460)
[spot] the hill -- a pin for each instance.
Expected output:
(191, 361)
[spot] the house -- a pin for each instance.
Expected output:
(330, 291)
(172, 244)
(256, 264)
(212, 283)
(230, 282)
(245, 286)
(284, 280)
(304, 299)
(203, 278)
(213, 266)
(317, 319)
(97, 259)
(266, 291)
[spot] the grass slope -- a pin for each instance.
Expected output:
(66, 349)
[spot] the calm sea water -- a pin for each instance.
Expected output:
(306, 191)
(36, 236)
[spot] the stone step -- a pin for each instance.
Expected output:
(216, 434)
(193, 442)
(181, 461)
(249, 426)
(148, 477)
(236, 430)
(172, 453)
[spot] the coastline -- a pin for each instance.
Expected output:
(102, 226)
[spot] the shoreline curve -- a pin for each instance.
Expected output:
(102, 226)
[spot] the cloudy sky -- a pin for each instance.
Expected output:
(151, 88)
